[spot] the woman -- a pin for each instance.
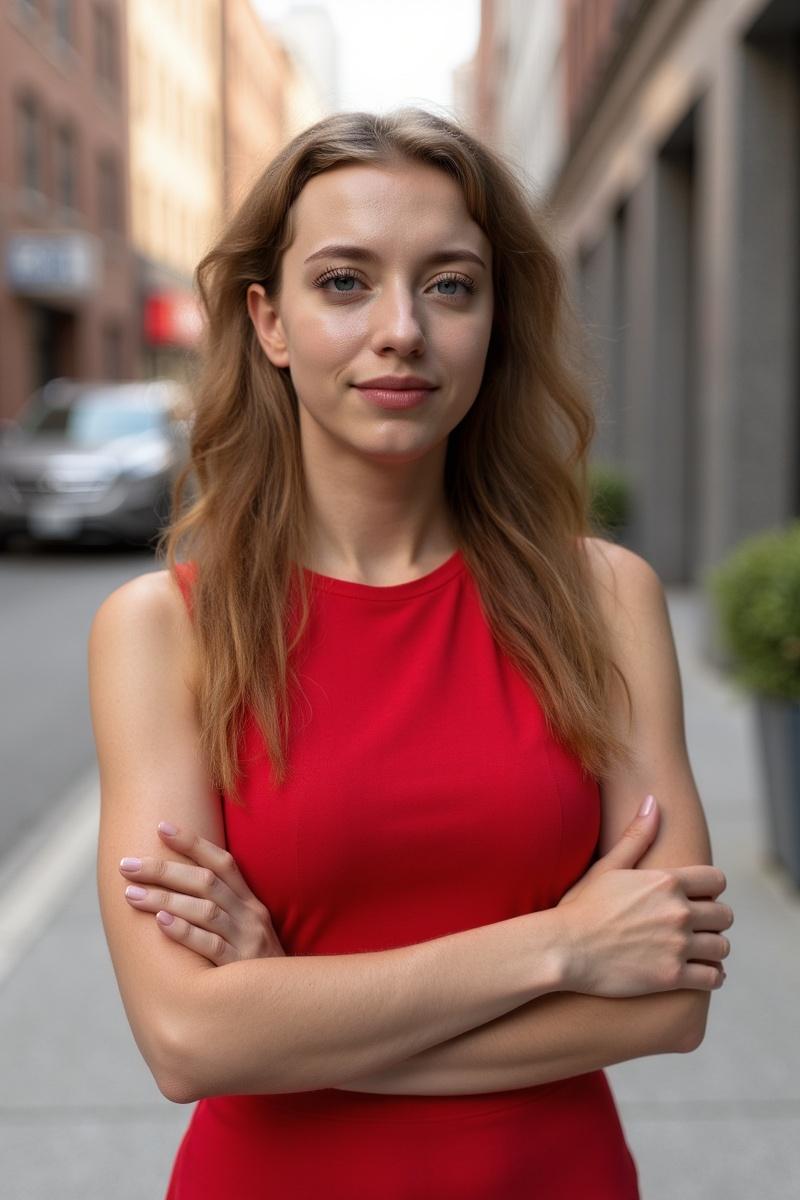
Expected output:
(398, 711)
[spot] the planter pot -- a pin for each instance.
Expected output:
(778, 724)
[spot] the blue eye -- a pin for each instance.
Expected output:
(468, 287)
(350, 278)
(337, 273)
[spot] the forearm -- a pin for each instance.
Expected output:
(552, 1037)
(301, 1023)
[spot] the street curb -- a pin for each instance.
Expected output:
(39, 872)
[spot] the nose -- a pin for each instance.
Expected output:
(395, 321)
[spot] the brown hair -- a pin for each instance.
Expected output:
(515, 470)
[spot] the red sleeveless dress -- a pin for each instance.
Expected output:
(427, 798)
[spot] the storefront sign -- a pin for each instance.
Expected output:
(172, 319)
(53, 264)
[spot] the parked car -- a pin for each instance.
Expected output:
(87, 460)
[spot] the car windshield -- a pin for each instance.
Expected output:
(87, 424)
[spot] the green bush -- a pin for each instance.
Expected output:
(756, 592)
(609, 498)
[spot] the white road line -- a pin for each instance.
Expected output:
(39, 872)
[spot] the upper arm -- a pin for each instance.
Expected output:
(146, 736)
(641, 642)
(633, 603)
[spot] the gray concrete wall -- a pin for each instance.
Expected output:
(694, 310)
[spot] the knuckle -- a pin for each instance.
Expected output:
(211, 910)
(678, 947)
(217, 946)
(684, 919)
(672, 973)
(207, 878)
(227, 861)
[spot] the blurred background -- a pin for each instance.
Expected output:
(663, 136)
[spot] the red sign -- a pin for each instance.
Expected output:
(172, 319)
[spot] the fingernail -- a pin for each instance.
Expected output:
(168, 828)
(647, 806)
(135, 893)
(130, 864)
(164, 918)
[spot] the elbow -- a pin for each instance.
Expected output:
(175, 1092)
(171, 1069)
(175, 1088)
(689, 1027)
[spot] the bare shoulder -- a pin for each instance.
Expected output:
(154, 595)
(629, 590)
(616, 566)
(150, 611)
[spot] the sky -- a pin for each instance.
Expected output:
(396, 51)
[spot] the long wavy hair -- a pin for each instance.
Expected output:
(515, 468)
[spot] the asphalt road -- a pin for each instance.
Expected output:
(49, 594)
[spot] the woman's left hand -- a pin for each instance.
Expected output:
(208, 907)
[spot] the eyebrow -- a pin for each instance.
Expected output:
(340, 250)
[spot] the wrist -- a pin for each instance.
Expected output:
(548, 954)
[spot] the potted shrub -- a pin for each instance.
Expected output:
(756, 591)
(609, 500)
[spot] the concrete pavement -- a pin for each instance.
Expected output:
(81, 1118)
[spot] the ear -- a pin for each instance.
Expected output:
(268, 326)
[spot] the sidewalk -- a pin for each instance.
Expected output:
(82, 1119)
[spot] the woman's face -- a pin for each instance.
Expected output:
(414, 298)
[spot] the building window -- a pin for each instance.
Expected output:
(66, 167)
(212, 28)
(139, 83)
(31, 166)
(64, 20)
(164, 237)
(105, 47)
(163, 83)
(143, 214)
(109, 195)
(112, 350)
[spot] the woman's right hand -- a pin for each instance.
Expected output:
(630, 932)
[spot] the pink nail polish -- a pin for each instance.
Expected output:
(130, 864)
(164, 918)
(135, 893)
(167, 827)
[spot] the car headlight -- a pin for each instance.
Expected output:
(145, 468)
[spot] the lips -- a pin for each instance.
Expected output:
(408, 396)
(398, 383)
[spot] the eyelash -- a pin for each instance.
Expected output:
(347, 273)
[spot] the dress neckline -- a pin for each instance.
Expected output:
(452, 566)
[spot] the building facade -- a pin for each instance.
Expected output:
(67, 278)
(257, 83)
(176, 168)
(129, 131)
(678, 201)
(213, 97)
